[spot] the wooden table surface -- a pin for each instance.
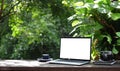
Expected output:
(34, 65)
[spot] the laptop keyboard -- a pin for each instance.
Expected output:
(67, 60)
(71, 62)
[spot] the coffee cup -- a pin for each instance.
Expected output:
(45, 56)
(106, 55)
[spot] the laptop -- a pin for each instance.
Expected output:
(74, 51)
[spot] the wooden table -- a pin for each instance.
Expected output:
(33, 65)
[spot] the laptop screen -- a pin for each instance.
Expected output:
(75, 48)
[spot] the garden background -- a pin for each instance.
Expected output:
(29, 28)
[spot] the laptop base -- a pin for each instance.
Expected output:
(68, 62)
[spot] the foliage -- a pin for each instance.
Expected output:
(98, 19)
(31, 27)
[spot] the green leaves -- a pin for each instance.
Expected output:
(115, 51)
(115, 4)
(78, 4)
(118, 40)
(115, 16)
(118, 34)
(75, 22)
(97, 18)
(34, 24)
(34, 27)
(103, 10)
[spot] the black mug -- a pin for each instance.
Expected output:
(45, 56)
(106, 55)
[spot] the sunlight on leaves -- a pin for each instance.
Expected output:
(115, 16)
(78, 4)
(103, 10)
(64, 2)
(115, 4)
(75, 22)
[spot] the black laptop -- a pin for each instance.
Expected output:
(74, 51)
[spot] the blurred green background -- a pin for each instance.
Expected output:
(29, 28)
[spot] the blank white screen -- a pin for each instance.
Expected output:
(75, 48)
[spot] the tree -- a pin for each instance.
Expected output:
(33, 27)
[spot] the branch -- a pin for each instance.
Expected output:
(104, 23)
(9, 12)
(1, 10)
(2, 4)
